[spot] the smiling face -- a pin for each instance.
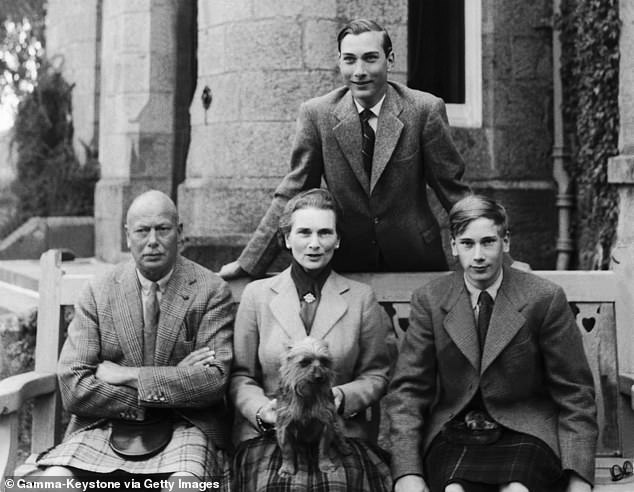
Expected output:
(313, 237)
(364, 66)
(153, 234)
(480, 250)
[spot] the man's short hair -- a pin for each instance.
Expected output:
(475, 207)
(358, 26)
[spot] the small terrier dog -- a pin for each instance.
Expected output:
(306, 412)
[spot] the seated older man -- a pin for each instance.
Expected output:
(147, 359)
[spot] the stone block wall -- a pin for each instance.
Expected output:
(73, 35)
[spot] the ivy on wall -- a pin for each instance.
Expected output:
(50, 180)
(590, 76)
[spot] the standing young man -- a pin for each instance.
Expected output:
(492, 390)
(377, 145)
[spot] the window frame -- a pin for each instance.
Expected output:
(469, 114)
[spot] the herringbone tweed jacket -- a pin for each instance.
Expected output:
(196, 310)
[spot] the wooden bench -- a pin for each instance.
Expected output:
(604, 316)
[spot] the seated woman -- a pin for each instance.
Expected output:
(309, 299)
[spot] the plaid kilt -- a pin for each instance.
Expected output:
(188, 451)
(515, 457)
(257, 461)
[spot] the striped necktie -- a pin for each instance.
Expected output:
(150, 324)
(367, 147)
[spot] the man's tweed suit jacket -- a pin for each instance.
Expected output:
(533, 372)
(196, 311)
(387, 214)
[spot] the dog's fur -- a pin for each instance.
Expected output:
(306, 412)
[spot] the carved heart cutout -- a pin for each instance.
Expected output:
(588, 323)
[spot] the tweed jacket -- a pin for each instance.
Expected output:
(196, 310)
(533, 372)
(348, 318)
(387, 214)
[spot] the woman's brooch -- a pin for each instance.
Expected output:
(309, 298)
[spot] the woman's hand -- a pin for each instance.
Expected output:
(411, 483)
(337, 393)
(268, 412)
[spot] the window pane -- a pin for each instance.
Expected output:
(436, 43)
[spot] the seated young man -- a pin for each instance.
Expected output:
(492, 390)
(147, 359)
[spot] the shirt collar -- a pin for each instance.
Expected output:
(376, 109)
(474, 292)
(145, 283)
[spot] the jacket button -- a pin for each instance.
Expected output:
(162, 398)
(376, 220)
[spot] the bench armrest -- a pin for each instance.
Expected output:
(626, 385)
(15, 390)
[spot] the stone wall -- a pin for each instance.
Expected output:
(73, 35)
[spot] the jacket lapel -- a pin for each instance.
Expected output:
(127, 314)
(387, 134)
(348, 134)
(459, 323)
(175, 303)
(506, 319)
(285, 306)
(331, 306)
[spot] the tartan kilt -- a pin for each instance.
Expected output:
(189, 450)
(257, 461)
(515, 457)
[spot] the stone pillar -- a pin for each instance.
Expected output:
(260, 59)
(136, 134)
(73, 43)
(621, 173)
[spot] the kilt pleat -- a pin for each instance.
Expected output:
(188, 451)
(257, 461)
(515, 457)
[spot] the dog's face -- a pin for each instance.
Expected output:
(307, 367)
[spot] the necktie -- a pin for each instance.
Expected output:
(150, 324)
(307, 310)
(367, 148)
(485, 303)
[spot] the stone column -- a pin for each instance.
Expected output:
(621, 173)
(136, 134)
(260, 60)
(73, 43)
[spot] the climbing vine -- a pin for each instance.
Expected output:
(590, 75)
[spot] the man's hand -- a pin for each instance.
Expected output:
(117, 375)
(577, 484)
(232, 270)
(411, 483)
(201, 357)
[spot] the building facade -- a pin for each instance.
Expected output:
(200, 101)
